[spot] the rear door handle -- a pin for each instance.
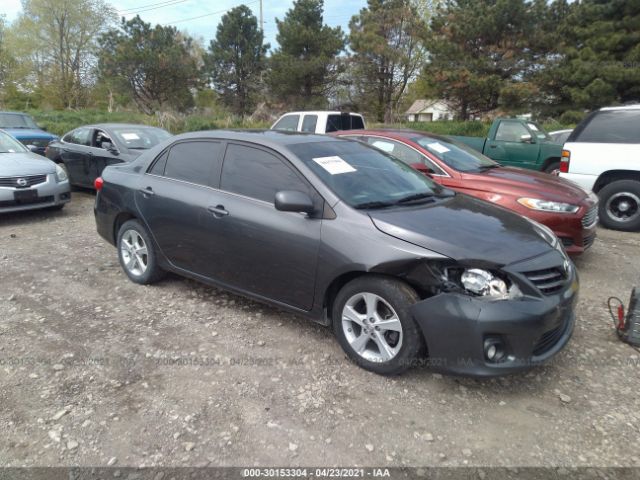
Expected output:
(218, 211)
(147, 191)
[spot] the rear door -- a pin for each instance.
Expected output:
(174, 199)
(508, 148)
(75, 150)
(256, 248)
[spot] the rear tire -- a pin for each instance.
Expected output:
(620, 205)
(373, 324)
(137, 254)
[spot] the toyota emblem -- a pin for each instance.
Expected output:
(22, 182)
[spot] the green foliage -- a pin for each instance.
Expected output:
(236, 59)
(157, 65)
(304, 69)
(387, 40)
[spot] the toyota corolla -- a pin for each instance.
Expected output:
(401, 268)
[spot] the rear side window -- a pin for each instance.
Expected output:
(195, 162)
(344, 121)
(288, 122)
(159, 165)
(357, 123)
(615, 126)
(257, 174)
(309, 123)
(80, 136)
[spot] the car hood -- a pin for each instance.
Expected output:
(28, 133)
(16, 164)
(521, 182)
(464, 228)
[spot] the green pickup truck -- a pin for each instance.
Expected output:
(519, 143)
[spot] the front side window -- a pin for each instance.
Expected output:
(353, 171)
(258, 174)
(309, 123)
(288, 122)
(455, 155)
(614, 126)
(194, 161)
(511, 131)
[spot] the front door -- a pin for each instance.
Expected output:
(508, 149)
(255, 247)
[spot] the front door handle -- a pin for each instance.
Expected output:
(218, 211)
(147, 191)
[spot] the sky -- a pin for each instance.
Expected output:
(181, 13)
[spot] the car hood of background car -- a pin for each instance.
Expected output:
(464, 228)
(28, 133)
(16, 164)
(526, 183)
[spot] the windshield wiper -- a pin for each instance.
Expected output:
(415, 196)
(489, 167)
(375, 204)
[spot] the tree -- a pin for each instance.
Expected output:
(596, 60)
(387, 41)
(6, 60)
(304, 69)
(157, 65)
(57, 40)
(236, 59)
(480, 49)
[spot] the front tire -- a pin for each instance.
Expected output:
(137, 255)
(372, 322)
(620, 205)
(553, 168)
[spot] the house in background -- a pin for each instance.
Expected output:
(428, 111)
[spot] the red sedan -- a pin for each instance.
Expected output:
(570, 211)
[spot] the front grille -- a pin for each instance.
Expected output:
(590, 217)
(549, 339)
(549, 280)
(566, 241)
(30, 180)
(588, 240)
(13, 203)
(38, 142)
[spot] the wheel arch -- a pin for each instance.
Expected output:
(120, 219)
(610, 176)
(548, 162)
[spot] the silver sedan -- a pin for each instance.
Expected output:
(29, 181)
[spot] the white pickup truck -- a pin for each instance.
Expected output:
(603, 154)
(319, 121)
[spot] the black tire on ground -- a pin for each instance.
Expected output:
(553, 166)
(56, 208)
(613, 195)
(400, 297)
(153, 272)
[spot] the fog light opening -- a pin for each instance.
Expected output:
(494, 350)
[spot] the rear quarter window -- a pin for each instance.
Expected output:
(609, 126)
(288, 122)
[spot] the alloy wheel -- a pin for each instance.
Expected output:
(623, 207)
(372, 327)
(134, 252)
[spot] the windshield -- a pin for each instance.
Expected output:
(16, 120)
(538, 131)
(8, 144)
(363, 176)
(456, 155)
(140, 138)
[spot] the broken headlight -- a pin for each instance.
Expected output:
(483, 283)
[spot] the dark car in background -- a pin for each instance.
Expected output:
(87, 150)
(564, 207)
(351, 237)
(24, 129)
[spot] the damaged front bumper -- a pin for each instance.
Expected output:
(530, 330)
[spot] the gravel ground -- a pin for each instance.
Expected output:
(95, 370)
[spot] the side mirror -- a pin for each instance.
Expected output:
(422, 168)
(293, 201)
(110, 147)
(526, 138)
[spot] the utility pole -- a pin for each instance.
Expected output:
(261, 19)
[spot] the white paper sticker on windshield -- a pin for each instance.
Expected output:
(130, 136)
(334, 165)
(438, 147)
(384, 146)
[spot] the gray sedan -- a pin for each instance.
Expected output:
(29, 181)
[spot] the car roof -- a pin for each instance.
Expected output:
(264, 137)
(405, 133)
(14, 113)
(320, 112)
(635, 106)
(117, 125)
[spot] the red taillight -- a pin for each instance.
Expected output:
(98, 183)
(564, 161)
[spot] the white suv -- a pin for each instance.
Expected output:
(319, 122)
(603, 154)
